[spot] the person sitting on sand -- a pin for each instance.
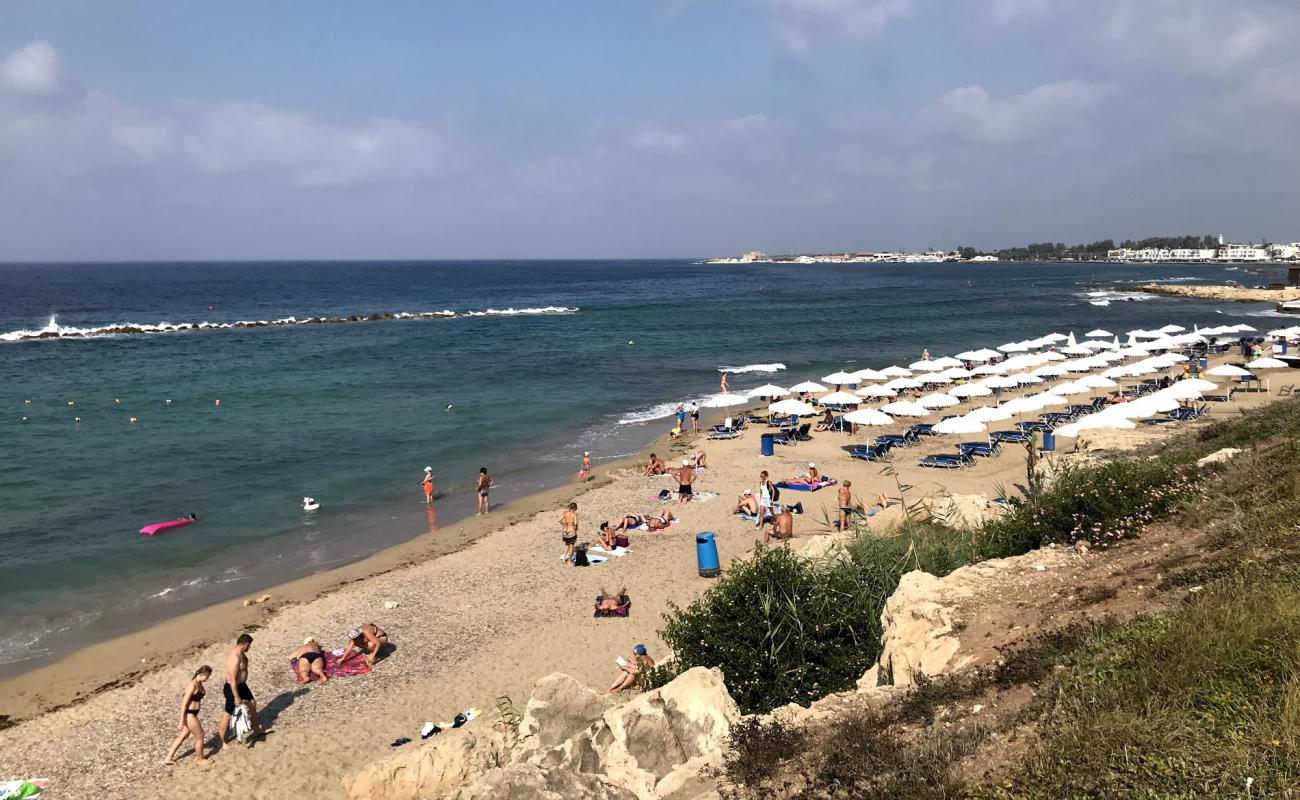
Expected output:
(608, 536)
(309, 660)
(611, 602)
(746, 504)
(630, 671)
(701, 461)
(365, 639)
(782, 525)
(189, 725)
(655, 467)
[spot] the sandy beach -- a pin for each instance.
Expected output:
(478, 617)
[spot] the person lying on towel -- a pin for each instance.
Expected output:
(611, 601)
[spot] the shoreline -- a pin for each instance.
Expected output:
(1235, 294)
(123, 660)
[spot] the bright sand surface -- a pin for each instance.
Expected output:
(491, 613)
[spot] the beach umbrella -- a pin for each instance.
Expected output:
(785, 408)
(1026, 378)
(868, 416)
(1188, 390)
(1267, 363)
(1098, 333)
(983, 354)
(895, 371)
(1049, 371)
(1243, 328)
(1095, 422)
(1172, 329)
(970, 390)
(934, 378)
(1076, 350)
(768, 390)
(959, 425)
(1069, 388)
(1227, 371)
(840, 378)
(808, 386)
(1013, 347)
(1000, 382)
(989, 414)
(1022, 404)
(1056, 337)
(1070, 340)
(1050, 400)
(903, 383)
(956, 372)
(1198, 383)
(1108, 358)
(938, 400)
(1096, 382)
(1078, 365)
(1098, 344)
(868, 375)
(989, 369)
(1017, 363)
(1051, 355)
(947, 362)
(840, 399)
(925, 365)
(904, 408)
(724, 400)
(876, 391)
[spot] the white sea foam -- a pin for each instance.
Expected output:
(53, 330)
(1112, 295)
(661, 411)
(753, 368)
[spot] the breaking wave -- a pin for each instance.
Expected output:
(753, 368)
(53, 330)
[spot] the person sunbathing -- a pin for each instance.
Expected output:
(701, 461)
(655, 467)
(782, 526)
(627, 523)
(828, 421)
(607, 537)
(811, 476)
(746, 504)
(629, 674)
(660, 520)
(611, 601)
(365, 639)
(309, 661)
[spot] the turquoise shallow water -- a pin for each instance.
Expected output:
(351, 413)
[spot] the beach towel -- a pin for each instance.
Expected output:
(806, 487)
(617, 551)
(19, 790)
(355, 665)
(644, 527)
(754, 517)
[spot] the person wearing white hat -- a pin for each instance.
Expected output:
(427, 483)
(685, 477)
(746, 504)
(584, 471)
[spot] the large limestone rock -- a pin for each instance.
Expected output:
(646, 739)
(559, 708)
(431, 768)
(531, 782)
(919, 629)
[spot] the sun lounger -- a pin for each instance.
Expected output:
(869, 452)
(1011, 437)
(907, 439)
(803, 433)
(979, 449)
(1034, 425)
(1286, 391)
(947, 461)
(921, 429)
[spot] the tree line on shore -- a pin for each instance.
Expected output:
(1057, 251)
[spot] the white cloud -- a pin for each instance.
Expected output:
(1041, 115)
(1210, 37)
(33, 69)
(801, 24)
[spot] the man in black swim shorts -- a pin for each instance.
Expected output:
(685, 477)
(241, 695)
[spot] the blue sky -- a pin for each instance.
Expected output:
(639, 128)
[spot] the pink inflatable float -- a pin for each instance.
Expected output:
(159, 527)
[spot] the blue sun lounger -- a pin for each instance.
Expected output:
(947, 461)
(870, 452)
(979, 449)
(1011, 437)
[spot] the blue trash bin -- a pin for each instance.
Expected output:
(766, 445)
(706, 555)
(1049, 442)
(1205, 362)
(1282, 344)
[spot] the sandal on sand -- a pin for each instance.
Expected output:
(400, 742)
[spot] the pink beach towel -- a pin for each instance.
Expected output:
(355, 665)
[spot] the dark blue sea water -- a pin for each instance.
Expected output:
(351, 413)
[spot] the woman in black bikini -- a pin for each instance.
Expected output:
(309, 660)
(189, 724)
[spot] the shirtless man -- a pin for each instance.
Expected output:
(746, 504)
(584, 471)
(569, 531)
(611, 601)
(365, 639)
(782, 526)
(685, 477)
(235, 690)
(722, 384)
(308, 660)
(847, 503)
(656, 466)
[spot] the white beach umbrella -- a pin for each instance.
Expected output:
(1096, 382)
(989, 414)
(925, 365)
(1050, 371)
(938, 400)
(876, 391)
(1227, 371)
(1115, 372)
(1267, 363)
(1069, 388)
(1098, 344)
(947, 362)
(1020, 405)
(1172, 329)
(1050, 400)
(1026, 378)
(840, 378)
(983, 354)
(768, 390)
(791, 408)
(1094, 422)
(868, 416)
(1051, 355)
(1200, 384)
(1109, 358)
(1077, 365)
(904, 408)
(1013, 347)
(1076, 350)
(840, 399)
(989, 369)
(1186, 390)
(1243, 328)
(959, 425)
(935, 379)
(808, 386)
(895, 371)
(1098, 333)
(868, 374)
(903, 383)
(1017, 363)
(970, 390)
(955, 372)
(1000, 382)
(728, 399)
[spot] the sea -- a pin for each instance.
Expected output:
(532, 363)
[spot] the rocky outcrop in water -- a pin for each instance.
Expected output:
(1239, 294)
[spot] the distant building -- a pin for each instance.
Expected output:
(1242, 252)
(983, 259)
(1285, 252)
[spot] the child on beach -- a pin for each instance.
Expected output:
(584, 471)
(427, 483)
(189, 724)
(569, 531)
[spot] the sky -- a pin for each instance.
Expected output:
(139, 130)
